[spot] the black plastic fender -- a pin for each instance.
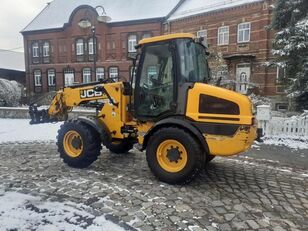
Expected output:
(178, 122)
(100, 127)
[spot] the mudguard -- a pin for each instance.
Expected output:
(99, 126)
(178, 122)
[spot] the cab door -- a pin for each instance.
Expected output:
(155, 89)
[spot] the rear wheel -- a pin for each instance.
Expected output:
(120, 146)
(174, 155)
(78, 144)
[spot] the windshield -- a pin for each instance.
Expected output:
(193, 61)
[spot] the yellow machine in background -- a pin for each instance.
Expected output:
(168, 109)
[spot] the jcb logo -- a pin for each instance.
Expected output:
(84, 94)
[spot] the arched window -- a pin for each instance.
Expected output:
(132, 42)
(79, 47)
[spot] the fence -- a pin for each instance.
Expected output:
(293, 126)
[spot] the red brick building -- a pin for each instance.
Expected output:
(59, 52)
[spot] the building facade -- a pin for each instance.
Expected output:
(64, 55)
(235, 32)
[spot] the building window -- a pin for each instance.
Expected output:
(69, 77)
(146, 35)
(79, 47)
(243, 33)
(86, 75)
(132, 42)
(100, 73)
(281, 74)
(202, 34)
(281, 106)
(37, 78)
(35, 50)
(223, 35)
(51, 77)
(91, 46)
(113, 72)
(46, 49)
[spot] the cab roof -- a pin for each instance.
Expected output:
(165, 38)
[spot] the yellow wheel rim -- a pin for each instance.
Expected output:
(171, 156)
(73, 144)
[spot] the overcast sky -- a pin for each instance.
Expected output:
(14, 16)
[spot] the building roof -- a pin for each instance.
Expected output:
(196, 7)
(58, 12)
(12, 60)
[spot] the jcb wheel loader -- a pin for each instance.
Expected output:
(167, 108)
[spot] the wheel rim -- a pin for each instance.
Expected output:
(73, 144)
(171, 156)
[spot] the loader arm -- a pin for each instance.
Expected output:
(65, 100)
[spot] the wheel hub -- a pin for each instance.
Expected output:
(73, 144)
(76, 142)
(173, 154)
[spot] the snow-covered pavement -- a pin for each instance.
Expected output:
(24, 212)
(39, 192)
(19, 130)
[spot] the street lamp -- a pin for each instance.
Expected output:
(102, 17)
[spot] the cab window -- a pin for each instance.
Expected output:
(156, 86)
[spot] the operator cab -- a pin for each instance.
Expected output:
(168, 66)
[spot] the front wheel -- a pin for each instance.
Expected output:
(174, 155)
(78, 145)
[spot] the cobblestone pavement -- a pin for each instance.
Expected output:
(231, 194)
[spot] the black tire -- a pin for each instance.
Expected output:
(193, 149)
(91, 144)
(209, 158)
(120, 147)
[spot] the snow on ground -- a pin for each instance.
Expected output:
(288, 141)
(24, 212)
(19, 130)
